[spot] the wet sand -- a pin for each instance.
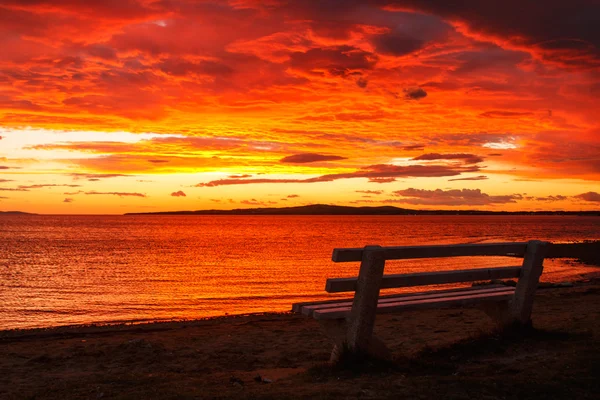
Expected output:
(443, 353)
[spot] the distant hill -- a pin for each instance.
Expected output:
(326, 209)
(15, 213)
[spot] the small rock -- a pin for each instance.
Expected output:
(267, 380)
(258, 378)
(236, 381)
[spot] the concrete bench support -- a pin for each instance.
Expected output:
(531, 271)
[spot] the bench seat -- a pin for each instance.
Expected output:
(339, 309)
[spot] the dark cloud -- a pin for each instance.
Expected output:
(397, 44)
(415, 93)
(5, 180)
(472, 178)
(182, 67)
(178, 194)
(565, 33)
(309, 158)
(292, 196)
(505, 114)
(335, 61)
(413, 147)
(589, 196)
(453, 197)
(466, 158)
(68, 200)
(375, 173)
(120, 194)
(362, 82)
(158, 161)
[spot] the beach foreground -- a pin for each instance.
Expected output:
(449, 353)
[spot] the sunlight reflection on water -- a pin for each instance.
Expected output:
(59, 270)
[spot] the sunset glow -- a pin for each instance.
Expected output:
(143, 105)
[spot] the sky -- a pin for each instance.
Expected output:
(120, 106)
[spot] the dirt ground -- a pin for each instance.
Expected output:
(443, 353)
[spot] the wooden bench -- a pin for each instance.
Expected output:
(350, 322)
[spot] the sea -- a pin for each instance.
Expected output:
(60, 270)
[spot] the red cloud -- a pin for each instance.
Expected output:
(120, 194)
(178, 194)
(472, 178)
(309, 158)
(467, 158)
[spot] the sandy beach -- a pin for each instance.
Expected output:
(449, 353)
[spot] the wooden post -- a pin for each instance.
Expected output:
(528, 281)
(364, 306)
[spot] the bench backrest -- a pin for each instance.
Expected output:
(510, 249)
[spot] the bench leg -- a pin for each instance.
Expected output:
(337, 331)
(499, 312)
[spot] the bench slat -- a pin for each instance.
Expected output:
(434, 251)
(337, 285)
(308, 310)
(572, 250)
(297, 306)
(342, 312)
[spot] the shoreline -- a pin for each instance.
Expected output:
(281, 355)
(121, 326)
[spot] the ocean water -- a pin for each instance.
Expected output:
(63, 270)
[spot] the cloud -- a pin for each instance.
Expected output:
(589, 196)
(371, 172)
(40, 186)
(158, 161)
(472, 178)
(13, 189)
(382, 180)
(466, 158)
(95, 177)
(505, 114)
(178, 194)
(253, 202)
(120, 194)
(68, 200)
(567, 38)
(558, 197)
(292, 196)
(334, 60)
(240, 176)
(453, 197)
(415, 93)
(309, 158)
(413, 147)
(370, 191)
(5, 180)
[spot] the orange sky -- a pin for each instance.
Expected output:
(150, 105)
